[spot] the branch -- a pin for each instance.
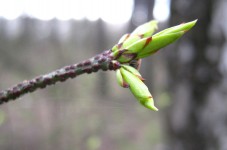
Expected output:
(124, 57)
(103, 61)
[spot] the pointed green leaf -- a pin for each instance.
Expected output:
(132, 39)
(125, 42)
(120, 42)
(159, 42)
(149, 103)
(133, 71)
(115, 48)
(142, 31)
(138, 46)
(182, 27)
(124, 38)
(138, 89)
(146, 29)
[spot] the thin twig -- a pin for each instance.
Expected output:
(103, 61)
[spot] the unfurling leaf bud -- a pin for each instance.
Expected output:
(137, 87)
(143, 31)
(140, 43)
(146, 29)
(126, 40)
(133, 71)
(182, 27)
(159, 42)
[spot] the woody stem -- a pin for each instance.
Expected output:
(103, 61)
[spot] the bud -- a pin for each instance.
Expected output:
(182, 27)
(143, 31)
(131, 52)
(159, 42)
(140, 44)
(147, 29)
(137, 87)
(133, 71)
(164, 38)
(126, 40)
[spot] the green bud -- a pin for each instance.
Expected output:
(133, 71)
(136, 47)
(159, 42)
(125, 41)
(132, 50)
(124, 38)
(182, 27)
(146, 29)
(139, 89)
(143, 31)
(148, 46)
(120, 42)
(140, 44)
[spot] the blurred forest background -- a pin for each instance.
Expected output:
(188, 79)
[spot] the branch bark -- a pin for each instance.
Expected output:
(103, 61)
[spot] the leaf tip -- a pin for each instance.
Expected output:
(149, 103)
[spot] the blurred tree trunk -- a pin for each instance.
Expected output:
(193, 75)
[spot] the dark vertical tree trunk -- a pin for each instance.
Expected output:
(193, 75)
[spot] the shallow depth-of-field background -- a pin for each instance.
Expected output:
(188, 79)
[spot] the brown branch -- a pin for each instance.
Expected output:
(103, 61)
